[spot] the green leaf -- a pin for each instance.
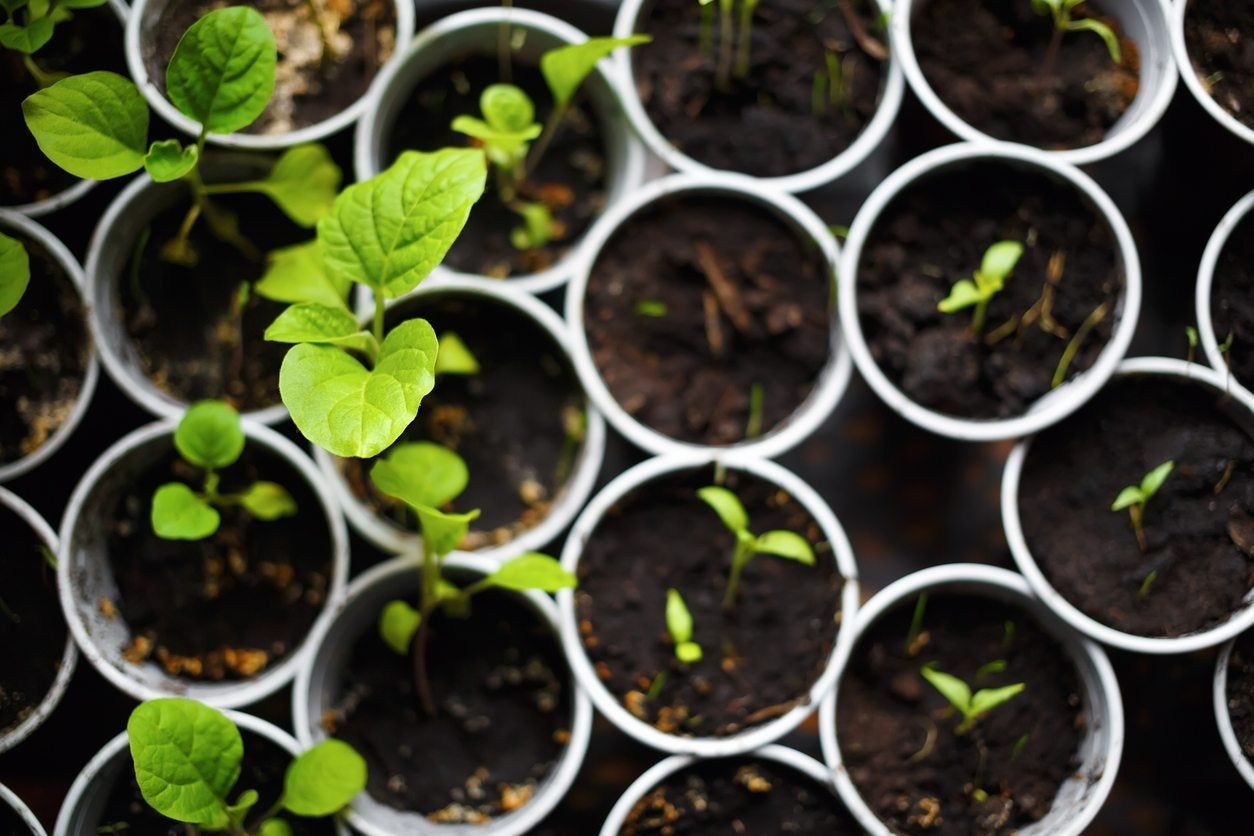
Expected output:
(168, 160)
(398, 622)
(421, 473)
(508, 109)
(94, 125)
(986, 700)
(275, 827)
(296, 274)
(537, 228)
(187, 758)
(303, 183)
(179, 514)
(1155, 478)
(309, 322)
(964, 294)
(727, 505)
(14, 272)
(81, 4)
(532, 571)
(246, 801)
(324, 779)
(688, 652)
(210, 435)
(678, 618)
(268, 501)
(1000, 259)
(443, 533)
(391, 231)
(786, 544)
(455, 357)
(566, 67)
(951, 688)
(222, 71)
(1128, 497)
(28, 39)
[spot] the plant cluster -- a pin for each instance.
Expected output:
(29, 26)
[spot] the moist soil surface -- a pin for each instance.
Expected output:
(760, 658)
(990, 63)
(570, 177)
(1219, 35)
(32, 630)
(503, 714)
(1241, 692)
(1199, 526)
(263, 768)
(784, 115)
(897, 733)
(1232, 300)
(695, 304)
(935, 233)
(508, 422)
(91, 40)
(308, 90)
(45, 350)
(191, 336)
(232, 605)
(739, 796)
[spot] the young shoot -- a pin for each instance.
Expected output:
(1135, 497)
(679, 625)
(210, 438)
(14, 273)
(1061, 12)
(971, 706)
(188, 758)
(734, 41)
(780, 543)
(30, 24)
(1190, 334)
(998, 263)
(455, 357)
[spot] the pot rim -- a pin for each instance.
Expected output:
(1239, 620)
(1205, 284)
(10, 798)
(1223, 718)
(1176, 19)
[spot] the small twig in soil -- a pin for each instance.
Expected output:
(1073, 347)
(770, 711)
(1223, 480)
(726, 292)
(929, 742)
(713, 328)
(868, 43)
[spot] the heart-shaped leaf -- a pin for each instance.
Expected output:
(322, 780)
(210, 435)
(421, 473)
(93, 125)
(398, 622)
(222, 71)
(168, 160)
(179, 514)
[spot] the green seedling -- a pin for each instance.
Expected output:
(654, 308)
(757, 403)
(735, 38)
(971, 706)
(427, 478)
(679, 625)
(998, 263)
(831, 87)
(14, 273)
(210, 438)
(780, 543)
(1061, 13)
(1190, 334)
(29, 26)
(912, 645)
(455, 357)
(188, 758)
(515, 142)
(1135, 497)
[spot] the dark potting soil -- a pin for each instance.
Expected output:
(503, 713)
(1241, 692)
(784, 115)
(991, 63)
(188, 331)
(263, 768)
(1232, 300)
(232, 605)
(569, 178)
(695, 304)
(739, 796)
(32, 629)
(897, 733)
(46, 352)
(90, 40)
(307, 90)
(934, 233)
(1219, 35)
(11, 824)
(1199, 526)
(509, 422)
(760, 658)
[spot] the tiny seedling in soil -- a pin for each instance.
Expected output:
(679, 625)
(1190, 334)
(14, 272)
(970, 705)
(210, 438)
(731, 511)
(998, 263)
(188, 756)
(1061, 12)
(29, 26)
(455, 357)
(1135, 497)
(732, 46)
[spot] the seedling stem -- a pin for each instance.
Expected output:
(1135, 497)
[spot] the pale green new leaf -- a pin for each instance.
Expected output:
(1128, 497)
(443, 533)
(309, 322)
(421, 473)
(565, 68)
(303, 183)
(507, 108)
(1155, 478)
(322, 780)
(246, 801)
(678, 618)
(532, 571)
(275, 827)
(168, 160)
(398, 622)
(728, 507)
(28, 39)
(222, 71)
(179, 514)
(688, 652)
(1000, 259)
(964, 294)
(93, 125)
(296, 274)
(986, 700)
(951, 688)
(210, 435)
(455, 356)
(14, 272)
(268, 501)
(786, 544)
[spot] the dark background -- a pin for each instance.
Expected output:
(907, 499)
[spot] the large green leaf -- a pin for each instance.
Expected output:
(303, 183)
(14, 272)
(322, 780)
(566, 67)
(93, 125)
(308, 322)
(210, 435)
(296, 274)
(222, 71)
(421, 473)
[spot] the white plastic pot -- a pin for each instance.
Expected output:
(390, 537)
(478, 30)
(24, 226)
(318, 685)
(609, 705)
(828, 389)
(84, 575)
(10, 799)
(664, 769)
(88, 795)
(1240, 620)
(1143, 21)
(1206, 280)
(1054, 405)
(1224, 720)
(1179, 11)
(1081, 796)
(140, 29)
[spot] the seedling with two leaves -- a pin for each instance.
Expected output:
(29, 26)
(996, 266)
(188, 758)
(1062, 13)
(972, 706)
(679, 625)
(14, 272)
(1135, 497)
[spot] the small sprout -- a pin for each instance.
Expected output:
(1135, 497)
(455, 357)
(757, 401)
(14, 273)
(1073, 345)
(780, 543)
(1225, 348)
(538, 228)
(1143, 592)
(656, 686)
(1020, 745)
(1060, 11)
(211, 438)
(679, 625)
(988, 669)
(998, 263)
(1190, 333)
(912, 645)
(652, 307)
(972, 706)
